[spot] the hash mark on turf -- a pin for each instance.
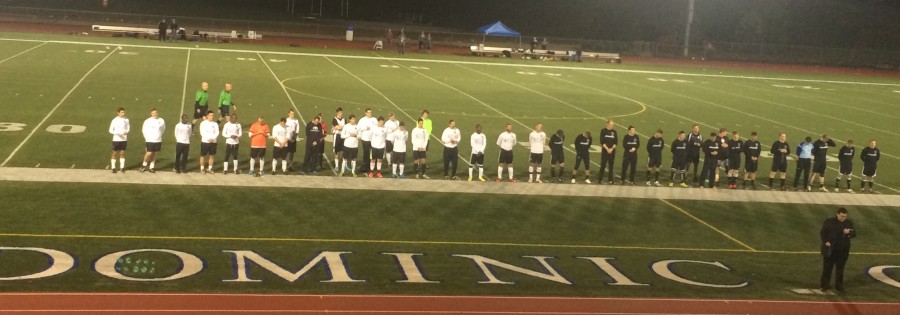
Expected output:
(38, 165)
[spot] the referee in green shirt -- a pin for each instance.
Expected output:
(225, 103)
(201, 102)
(426, 123)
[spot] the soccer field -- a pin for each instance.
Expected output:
(61, 97)
(188, 234)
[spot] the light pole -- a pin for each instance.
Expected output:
(687, 27)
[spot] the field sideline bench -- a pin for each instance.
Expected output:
(538, 53)
(154, 31)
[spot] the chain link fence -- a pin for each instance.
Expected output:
(751, 52)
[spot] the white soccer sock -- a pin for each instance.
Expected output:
(401, 169)
(530, 170)
(252, 163)
(499, 171)
(537, 173)
(480, 171)
(274, 165)
(470, 171)
(112, 164)
(394, 169)
(144, 163)
(337, 161)
(353, 166)
(372, 166)
(153, 165)
(284, 166)
(387, 158)
(235, 166)
(343, 165)
(262, 164)
(225, 166)
(509, 168)
(122, 163)
(378, 167)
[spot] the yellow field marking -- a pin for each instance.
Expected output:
(317, 240)
(708, 225)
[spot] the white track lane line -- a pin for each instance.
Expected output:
(23, 52)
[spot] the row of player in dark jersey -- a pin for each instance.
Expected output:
(722, 150)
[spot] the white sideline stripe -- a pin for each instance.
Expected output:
(392, 103)
(458, 62)
(19, 54)
(726, 107)
(473, 297)
(38, 126)
(184, 91)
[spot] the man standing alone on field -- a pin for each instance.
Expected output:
(836, 233)
(119, 128)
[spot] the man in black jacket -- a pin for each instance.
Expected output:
(631, 143)
(845, 156)
(820, 152)
(780, 151)
(583, 144)
(694, 141)
(655, 148)
(711, 149)
(162, 27)
(679, 159)
(870, 156)
(609, 138)
(836, 234)
(752, 150)
(313, 138)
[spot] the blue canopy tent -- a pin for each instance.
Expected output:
(496, 29)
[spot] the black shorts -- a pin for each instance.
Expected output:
(350, 153)
(679, 164)
(200, 111)
(398, 157)
(224, 110)
(154, 146)
(557, 157)
(207, 148)
(869, 170)
(586, 159)
(119, 145)
(654, 161)
(779, 165)
(506, 157)
(751, 166)
(389, 146)
(695, 159)
(819, 167)
(418, 154)
(477, 159)
(377, 154)
(536, 158)
(734, 164)
(338, 144)
(279, 153)
(291, 146)
(257, 152)
(846, 168)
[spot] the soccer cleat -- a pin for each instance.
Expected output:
(455, 178)
(378, 175)
(347, 169)
(402, 176)
(499, 180)
(353, 174)
(122, 170)
(236, 172)
(393, 175)
(823, 189)
(370, 175)
(341, 174)
(573, 181)
(482, 179)
(258, 174)
(537, 181)
(837, 190)
(850, 191)
(609, 182)
(115, 170)
(685, 185)
(418, 176)
(587, 181)
(446, 177)
(251, 172)
(470, 178)
(225, 172)
(657, 184)
(648, 183)
(425, 176)
(671, 184)
(337, 169)
(512, 180)
(152, 170)
(143, 169)
(808, 188)
(529, 179)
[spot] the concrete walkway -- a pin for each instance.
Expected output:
(441, 186)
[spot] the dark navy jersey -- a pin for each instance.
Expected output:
(735, 147)
(556, 143)
(609, 137)
(655, 146)
(870, 156)
(820, 149)
(583, 144)
(711, 146)
(694, 142)
(846, 155)
(752, 149)
(679, 150)
(777, 149)
(631, 142)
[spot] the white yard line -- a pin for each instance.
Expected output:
(460, 62)
(27, 50)
(699, 122)
(38, 126)
(390, 101)
(184, 91)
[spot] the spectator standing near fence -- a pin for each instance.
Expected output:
(174, 27)
(389, 36)
(544, 43)
(421, 41)
(162, 27)
(401, 44)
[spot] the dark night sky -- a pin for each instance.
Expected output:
(833, 23)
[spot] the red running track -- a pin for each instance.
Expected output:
(153, 303)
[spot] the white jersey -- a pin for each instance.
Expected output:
(391, 126)
(350, 134)
(281, 134)
(119, 128)
(379, 136)
(209, 131)
(419, 138)
(293, 127)
(229, 130)
(399, 138)
(479, 143)
(450, 137)
(537, 141)
(366, 124)
(183, 133)
(506, 141)
(153, 129)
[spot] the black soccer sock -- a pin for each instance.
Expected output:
(656, 176)
(871, 183)
(837, 182)
(862, 184)
(561, 171)
(782, 182)
(770, 182)
(553, 172)
(648, 175)
(848, 183)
